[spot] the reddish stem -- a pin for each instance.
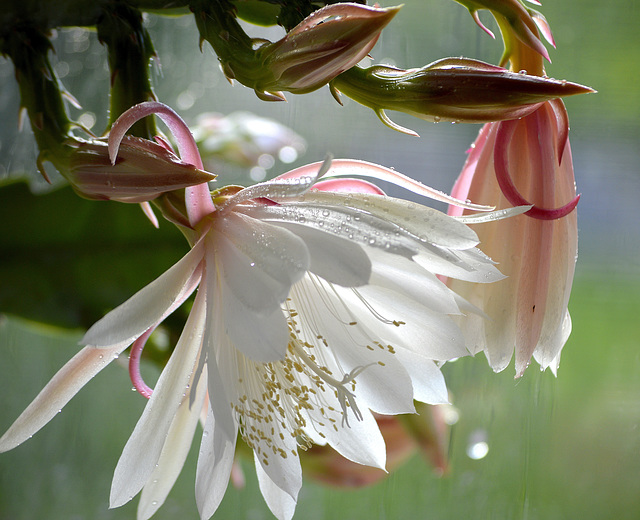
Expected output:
(134, 364)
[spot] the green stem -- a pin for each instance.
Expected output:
(217, 24)
(129, 52)
(40, 92)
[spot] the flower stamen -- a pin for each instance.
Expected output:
(345, 397)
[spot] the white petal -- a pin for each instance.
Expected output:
(174, 452)
(408, 278)
(360, 442)
(148, 306)
(545, 356)
(261, 336)
(214, 467)
(470, 265)
(278, 188)
(142, 451)
(422, 330)
(423, 222)
(77, 372)
(428, 382)
(281, 504)
(384, 385)
(221, 389)
(492, 216)
(333, 258)
(260, 261)
(340, 220)
(283, 469)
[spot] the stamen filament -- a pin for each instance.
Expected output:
(344, 395)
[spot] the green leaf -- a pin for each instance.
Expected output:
(66, 261)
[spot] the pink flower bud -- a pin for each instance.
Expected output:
(142, 171)
(526, 161)
(451, 89)
(325, 44)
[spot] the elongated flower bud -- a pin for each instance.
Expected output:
(322, 46)
(451, 89)
(143, 170)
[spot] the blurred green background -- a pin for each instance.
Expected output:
(558, 448)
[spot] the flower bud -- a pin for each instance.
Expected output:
(452, 89)
(523, 161)
(325, 44)
(322, 46)
(142, 171)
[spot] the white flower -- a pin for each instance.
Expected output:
(313, 310)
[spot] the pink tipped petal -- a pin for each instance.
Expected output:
(557, 105)
(349, 168)
(150, 305)
(476, 18)
(58, 392)
(214, 466)
(348, 186)
(143, 449)
(174, 453)
(186, 144)
(543, 26)
(316, 170)
(148, 211)
(164, 143)
(463, 184)
(509, 190)
(198, 198)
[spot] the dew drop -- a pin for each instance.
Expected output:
(288, 154)
(477, 447)
(477, 450)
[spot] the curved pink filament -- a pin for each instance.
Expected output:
(134, 364)
(198, 198)
(506, 130)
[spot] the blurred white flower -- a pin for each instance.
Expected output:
(245, 139)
